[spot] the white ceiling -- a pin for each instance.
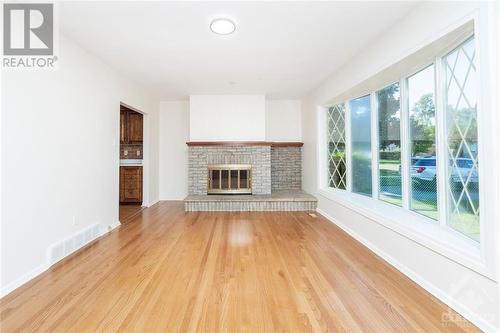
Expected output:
(281, 49)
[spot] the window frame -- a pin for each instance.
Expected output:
(376, 142)
(435, 235)
(327, 142)
(405, 100)
(374, 145)
(441, 79)
(370, 96)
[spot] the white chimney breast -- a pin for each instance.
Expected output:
(227, 117)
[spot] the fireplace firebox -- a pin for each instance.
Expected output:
(229, 179)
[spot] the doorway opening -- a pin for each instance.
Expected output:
(131, 181)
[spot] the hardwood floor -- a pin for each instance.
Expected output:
(128, 211)
(171, 271)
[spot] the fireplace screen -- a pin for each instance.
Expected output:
(230, 179)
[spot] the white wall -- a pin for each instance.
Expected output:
(227, 118)
(244, 117)
(282, 123)
(174, 133)
(60, 154)
(283, 120)
(470, 293)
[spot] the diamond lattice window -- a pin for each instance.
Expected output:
(461, 115)
(336, 142)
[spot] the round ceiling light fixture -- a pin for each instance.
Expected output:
(222, 26)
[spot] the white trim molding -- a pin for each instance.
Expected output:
(154, 202)
(7, 289)
(10, 287)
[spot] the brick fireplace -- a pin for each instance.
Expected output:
(273, 172)
(201, 157)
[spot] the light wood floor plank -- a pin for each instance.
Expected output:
(166, 270)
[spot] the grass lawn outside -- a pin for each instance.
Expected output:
(467, 224)
(395, 200)
(426, 208)
(398, 162)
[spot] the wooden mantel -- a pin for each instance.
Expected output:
(244, 143)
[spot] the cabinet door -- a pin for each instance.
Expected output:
(122, 181)
(131, 184)
(123, 126)
(134, 124)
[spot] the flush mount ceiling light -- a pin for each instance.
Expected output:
(222, 26)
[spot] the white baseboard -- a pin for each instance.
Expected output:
(174, 197)
(112, 227)
(418, 279)
(7, 289)
(154, 202)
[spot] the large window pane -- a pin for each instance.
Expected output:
(389, 127)
(461, 127)
(337, 177)
(423, 143)
(361, 146)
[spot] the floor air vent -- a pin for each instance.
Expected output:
(69, 245)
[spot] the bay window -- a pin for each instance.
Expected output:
(414, 143)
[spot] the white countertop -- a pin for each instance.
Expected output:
(130, 162)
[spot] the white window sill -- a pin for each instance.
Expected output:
(415, 227)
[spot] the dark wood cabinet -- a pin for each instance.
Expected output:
(123, 126)
(131, 184)
(131, 124)
(134, 127)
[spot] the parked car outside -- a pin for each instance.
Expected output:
(413, 161)
(424, 169)
(464, 169)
